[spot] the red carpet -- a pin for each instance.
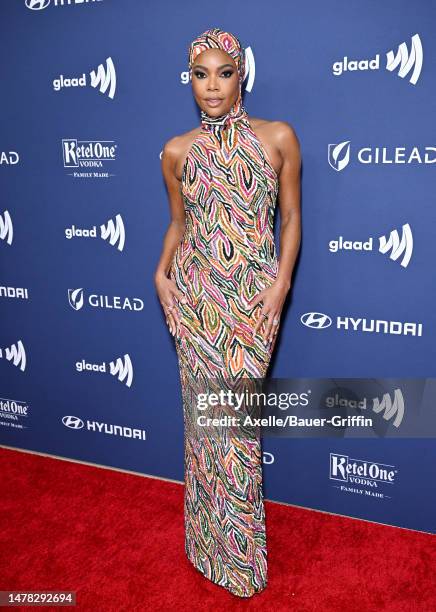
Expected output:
(117, 540)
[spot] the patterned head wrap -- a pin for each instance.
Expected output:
(217, 39)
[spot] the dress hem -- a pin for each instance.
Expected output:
(232, 591)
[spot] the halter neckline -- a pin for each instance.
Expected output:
(236, 114)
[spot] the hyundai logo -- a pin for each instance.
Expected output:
(316, 320)
(73, 422)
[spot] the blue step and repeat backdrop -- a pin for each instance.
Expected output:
(90, 93)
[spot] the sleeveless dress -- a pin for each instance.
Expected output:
(225, 257)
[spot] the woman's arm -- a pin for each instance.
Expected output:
(289, 202)
(176, 227)
(165, 287)
(273, 297)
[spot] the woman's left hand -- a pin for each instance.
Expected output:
(273, 298)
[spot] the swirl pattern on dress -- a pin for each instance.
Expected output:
(226, 256)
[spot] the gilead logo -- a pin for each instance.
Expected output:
(76, 299)
(360, 471)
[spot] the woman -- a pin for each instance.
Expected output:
(222, 290)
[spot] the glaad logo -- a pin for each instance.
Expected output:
(114, 233)
(103, 79)
(371, 474)
(124, 431)
(37, 5)
(6, 227)
(76, 300)
(397, 247)
(338, 155)
(122, 368)
(249, 74)
(406, 60)
(88, 154)
(319, 320)
(391, 243)
(10, 158)
(15, 353)
(389, 408)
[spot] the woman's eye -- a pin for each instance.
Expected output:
(226, 74)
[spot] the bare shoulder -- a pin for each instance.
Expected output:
(176, 149)
(280, 132)
(279, 139)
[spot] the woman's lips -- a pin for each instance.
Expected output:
(214, 101)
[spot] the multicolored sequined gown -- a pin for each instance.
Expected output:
(226, 256)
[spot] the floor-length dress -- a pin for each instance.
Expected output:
(226, 256)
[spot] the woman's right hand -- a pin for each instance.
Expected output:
(169, 295)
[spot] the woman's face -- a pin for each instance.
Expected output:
(215, 81)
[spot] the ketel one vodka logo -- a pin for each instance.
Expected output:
(338, 155)
(87, 154)
(16, 354)
(122, 368)
(38, 5)
(77, 300)
(104, 79)
(320, 320)
(403, 62)
(112, 232)
(351, 474)
(392, 244)
(6, 227)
